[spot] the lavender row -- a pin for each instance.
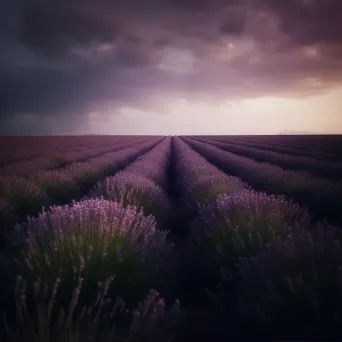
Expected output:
(27, 196)
(291, 290)
(20, 148)
(105, 250)
(200, 182)
(94, 240)
(332, 143)
(131, 250)
(322, 149)
(291, 150)
(331, 170)
(323, 197)
(228, 221)
(154, 164)
(98, 259)
(263, 263)
(57, 159)
(142, 183)
(227, 212)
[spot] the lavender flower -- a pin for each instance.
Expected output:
(58, 184)
(84, 174)
(242, 224)
(88, 236)
(206, 190)
(131, 189)
(201, 182)
(322, 196)
(323, 168)
(153, 164)
(102, 320)
(149, 169)
(23, 195)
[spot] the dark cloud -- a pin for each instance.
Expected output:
(161, 42)
(133, 40)
(53, 27)
(234, 23)
(9, 11)
(44, 92)
(200, 6)
(309, 21)
(67, 57)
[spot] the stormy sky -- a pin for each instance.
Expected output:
(170, 66)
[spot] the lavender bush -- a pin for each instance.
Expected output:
(199, 182)
(237, 226)
(106, 319)
(107, 163)
(131, 189)
(84, 174)
(24, 196)
(58, 184)
(149, 169)
(293, 288)
(194, 172)
(207, 190)
(94, 239)
(154, 164)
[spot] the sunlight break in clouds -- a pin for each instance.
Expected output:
(263, 115)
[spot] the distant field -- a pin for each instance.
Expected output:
(240, 236)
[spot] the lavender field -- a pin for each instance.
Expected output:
(160, 238)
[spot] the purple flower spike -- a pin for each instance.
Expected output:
(242, 224)
(131, 189)
(94, 238)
